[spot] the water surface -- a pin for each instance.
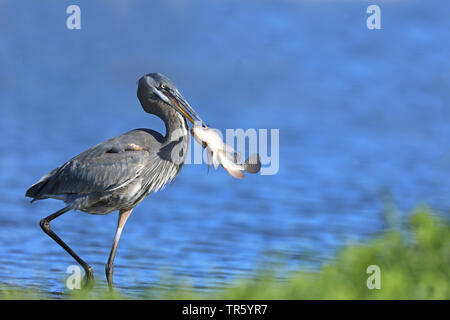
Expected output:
(361, 113)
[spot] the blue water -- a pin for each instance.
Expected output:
(362, 114)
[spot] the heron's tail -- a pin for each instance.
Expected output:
(36, 190)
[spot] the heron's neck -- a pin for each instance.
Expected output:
(176, 125)
(176, 140)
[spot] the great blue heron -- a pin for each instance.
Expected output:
(119, 173)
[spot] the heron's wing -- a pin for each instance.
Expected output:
(105, 167)
(105, 173)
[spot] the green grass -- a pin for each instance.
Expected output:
(414, 264)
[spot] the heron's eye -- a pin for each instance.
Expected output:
(163, 86)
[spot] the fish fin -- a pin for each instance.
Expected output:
(253, 163)
(208, 155)
(235, 173)
(215, 160)
(236, 156)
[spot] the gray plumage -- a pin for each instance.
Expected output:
(119, 173)
(115, 174)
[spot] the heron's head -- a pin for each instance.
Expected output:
(155, 89)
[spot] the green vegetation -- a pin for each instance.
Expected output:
(414, 264)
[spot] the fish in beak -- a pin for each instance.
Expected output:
(223, 154)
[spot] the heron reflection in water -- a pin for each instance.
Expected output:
(119, 173)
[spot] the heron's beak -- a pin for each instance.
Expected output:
(182, 106)
(176, 101)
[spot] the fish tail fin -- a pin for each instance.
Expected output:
(253, 163)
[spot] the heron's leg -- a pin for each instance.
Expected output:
(45, 225)
(123, 216)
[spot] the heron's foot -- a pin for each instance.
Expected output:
(111, 286)
(110, 283)
(88, 278)
(109, 276)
